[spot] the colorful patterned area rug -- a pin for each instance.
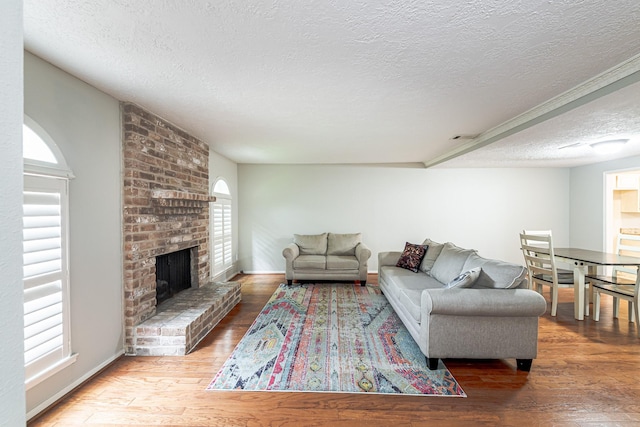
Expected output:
(331, 338)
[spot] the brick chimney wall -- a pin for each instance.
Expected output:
(166, 208)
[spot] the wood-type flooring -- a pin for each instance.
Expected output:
(587, 374)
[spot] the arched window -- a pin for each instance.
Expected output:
(221, 188)
(221, 228)
(41, 154)
(35, 149)
(47, 343)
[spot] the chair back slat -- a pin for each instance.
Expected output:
(537, 248)
(628, 245)
(539, 256)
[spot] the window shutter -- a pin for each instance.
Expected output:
(44, 273)
(218, 240)
(221, 224)
(226, 224)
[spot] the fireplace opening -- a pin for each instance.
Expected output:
(173, 274)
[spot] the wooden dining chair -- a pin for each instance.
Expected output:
(621, 284)
(537, 248)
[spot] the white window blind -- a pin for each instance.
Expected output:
(221, 221)
(46, 325)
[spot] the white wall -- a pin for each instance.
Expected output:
(588, 201)
(482, 209)
(221, 167)
(85, 124)
(12, 409)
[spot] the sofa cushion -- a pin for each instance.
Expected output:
(310, 262)
(399, 278)
(342, 262)
(497, 274)
(464, 280)
(407, 287)
(343, 244)
(450, 262)
(411, 300)
(311, 244)
(411, 257)
(433, 251)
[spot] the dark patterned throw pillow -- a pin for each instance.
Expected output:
(412, 256)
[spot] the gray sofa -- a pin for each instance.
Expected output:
(461, 305)
(327, 256)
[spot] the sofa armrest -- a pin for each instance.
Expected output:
(388, 258)
(483, 302)
(291, 251)
(363, 253)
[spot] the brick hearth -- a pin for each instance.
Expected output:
(182, 321)
(166, 209)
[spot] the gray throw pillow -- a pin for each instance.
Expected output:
(496, 274)
(433, 251)
(450, 262)
(311, 244)
(464, 280)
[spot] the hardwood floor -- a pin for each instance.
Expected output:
(586, 373)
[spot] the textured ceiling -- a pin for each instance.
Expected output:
(564, 140)
(352, 82)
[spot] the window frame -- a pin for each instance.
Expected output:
(223, 204)
(41, 176)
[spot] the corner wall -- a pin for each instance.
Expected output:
(484, 209)
(12, 409)
(85, 124)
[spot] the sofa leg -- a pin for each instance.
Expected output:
(289, 282)
(524, 364)
(432, 363)
(363, 283)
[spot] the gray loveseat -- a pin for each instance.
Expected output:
(327, 256)
(461, 305)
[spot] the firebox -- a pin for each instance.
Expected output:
(173, 274)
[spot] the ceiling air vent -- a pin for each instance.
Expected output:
(463, 137)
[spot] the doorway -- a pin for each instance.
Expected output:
(623, 205)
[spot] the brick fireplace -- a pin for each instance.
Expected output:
(166, 209)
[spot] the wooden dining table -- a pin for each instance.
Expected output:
(586, 261)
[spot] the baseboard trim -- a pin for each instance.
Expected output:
(260, 272)
(282, 272)
(226, 275)
(53, 400)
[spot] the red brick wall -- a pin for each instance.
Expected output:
(159, 156)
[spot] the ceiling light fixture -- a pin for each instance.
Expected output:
(608, 147)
